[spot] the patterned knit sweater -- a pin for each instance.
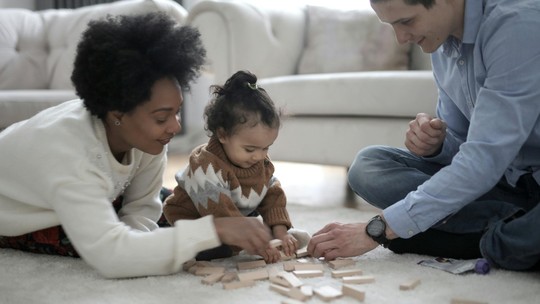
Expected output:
(211, 184)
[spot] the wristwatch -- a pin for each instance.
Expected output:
(376, 229)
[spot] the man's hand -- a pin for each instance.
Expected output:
(341, 240)
(425, 135)
(247, 233)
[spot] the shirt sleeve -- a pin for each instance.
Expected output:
(273, 206)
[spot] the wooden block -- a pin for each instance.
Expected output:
(309, 266)
(238, 284)
(250, 264)
(291, 279)
(261, 274)
(209, 270)
(280, 289)
(336, 264)
(465, 301)
(193, 269)
(291, 301)
(296, 294)
(308, 273)
(213, 278)
(358, 280)
(354, 292)
(229, 277)
(327, 293)
(293, 293)
(302, 252)
(307, 290)
(285, 257)
(346, 273)
(288, 266)
(279, 281)
(275, 243)
(206, 264)
(409, 285)
(187, 265)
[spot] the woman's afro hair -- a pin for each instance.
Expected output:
(119, 58)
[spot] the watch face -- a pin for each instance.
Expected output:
(375, 228)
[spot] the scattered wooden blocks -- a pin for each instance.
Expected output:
(358, 280)
(261, 274)
(250, 264)
(327, 293)
(409, 285)
(346, 273)
(465, 301)
(336, 264)
(308, 273)
(354, 292)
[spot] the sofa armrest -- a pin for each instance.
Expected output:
(265, 38)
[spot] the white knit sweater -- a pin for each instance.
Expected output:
(56, 169)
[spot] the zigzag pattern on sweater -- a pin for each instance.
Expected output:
(203, 187)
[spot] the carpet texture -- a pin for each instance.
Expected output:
(30, 278)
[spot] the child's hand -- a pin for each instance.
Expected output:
(270, 255)
(289, 244)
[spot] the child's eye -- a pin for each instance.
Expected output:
(250, 150)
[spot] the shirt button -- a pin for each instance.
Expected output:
(411, 233)
(461, 62)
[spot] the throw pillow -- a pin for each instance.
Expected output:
(349, 41)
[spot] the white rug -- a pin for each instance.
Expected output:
(29, 278)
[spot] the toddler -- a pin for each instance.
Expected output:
(232, 175)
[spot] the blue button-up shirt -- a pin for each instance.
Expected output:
(489, 95)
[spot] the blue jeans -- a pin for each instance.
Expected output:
(506, 218)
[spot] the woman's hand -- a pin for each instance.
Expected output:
(247, 233)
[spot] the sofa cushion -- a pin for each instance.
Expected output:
(23, 50)
(349, 41)
(376, 93)
(37, 49)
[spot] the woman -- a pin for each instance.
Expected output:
(62, 168)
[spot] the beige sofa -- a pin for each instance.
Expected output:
(37, 50)
(335, 107)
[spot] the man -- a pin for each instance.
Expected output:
(467, 184)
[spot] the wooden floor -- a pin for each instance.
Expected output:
(305, 184)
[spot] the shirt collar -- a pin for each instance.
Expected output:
(474, 10)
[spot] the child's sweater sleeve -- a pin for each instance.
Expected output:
(273, 206)
(178, 206)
